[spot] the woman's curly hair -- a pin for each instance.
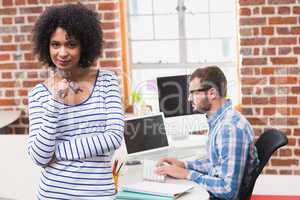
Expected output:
(79, 22)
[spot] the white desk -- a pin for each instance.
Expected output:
(19, 177)
(133, 174)
(8, 117)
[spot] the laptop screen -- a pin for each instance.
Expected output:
(145, 133)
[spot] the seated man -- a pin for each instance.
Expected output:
(231, 148)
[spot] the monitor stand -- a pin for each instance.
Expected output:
(133, 162)
(180, 127)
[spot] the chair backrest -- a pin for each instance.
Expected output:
(267, 143)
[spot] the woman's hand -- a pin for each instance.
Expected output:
(62, 89)
(58, 87)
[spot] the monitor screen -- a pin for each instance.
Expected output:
(145, 133)
(173, 96)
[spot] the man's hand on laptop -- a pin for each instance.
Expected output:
(173, 171)
(170, 161)
(171, 167)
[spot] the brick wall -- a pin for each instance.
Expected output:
(270, 73)
(20, 71)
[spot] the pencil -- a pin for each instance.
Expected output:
(114, 166)
(118, 171)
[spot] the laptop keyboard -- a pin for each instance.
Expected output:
(149, 167)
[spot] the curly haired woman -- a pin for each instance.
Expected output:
(75, 116)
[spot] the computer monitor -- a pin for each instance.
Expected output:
(173, 95)
(145, 134)
(181, 120)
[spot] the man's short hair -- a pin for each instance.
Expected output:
(211, 77)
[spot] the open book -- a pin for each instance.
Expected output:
(167, 190)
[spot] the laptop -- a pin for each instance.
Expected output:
(146, 138)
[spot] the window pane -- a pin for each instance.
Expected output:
(229, 48)
(222, 25)
(197, 26)
(231, 73)
(222, 6)
(165, 6)
(155, 51)
(141, 27)
(166, 27)
(213, 50)
(138, 7)
(195, 6)
(205, 50)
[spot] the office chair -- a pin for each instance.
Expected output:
(267, 143)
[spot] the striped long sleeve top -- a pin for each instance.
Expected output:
(74, 143)
(231, 154)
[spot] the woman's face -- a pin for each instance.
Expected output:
(64, 50)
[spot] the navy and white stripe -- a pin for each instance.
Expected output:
(74, 143)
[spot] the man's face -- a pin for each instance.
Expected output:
(198, 97)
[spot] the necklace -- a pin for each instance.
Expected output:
(66, 83)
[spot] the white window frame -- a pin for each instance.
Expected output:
(183, 64)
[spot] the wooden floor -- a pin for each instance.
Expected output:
(273, 197)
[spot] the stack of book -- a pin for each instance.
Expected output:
(147, 190)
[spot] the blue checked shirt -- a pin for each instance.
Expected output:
(231, 152)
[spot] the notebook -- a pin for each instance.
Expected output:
(140, 196)
(169, 190)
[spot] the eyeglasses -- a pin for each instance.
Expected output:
(199, 90)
